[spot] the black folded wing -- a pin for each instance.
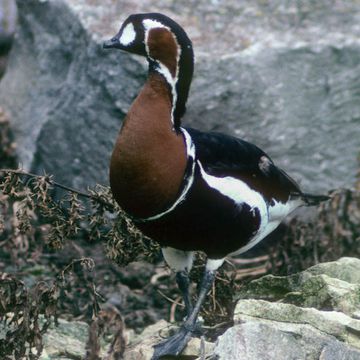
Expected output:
(222, 155)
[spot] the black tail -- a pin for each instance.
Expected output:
(311, 200)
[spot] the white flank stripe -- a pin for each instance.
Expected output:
(128, 35)
(241, 193)
(268, 228)
(237, 191)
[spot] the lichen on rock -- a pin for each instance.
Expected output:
(309, 315)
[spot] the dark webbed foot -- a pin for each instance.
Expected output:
(173, 345)
(176, 343)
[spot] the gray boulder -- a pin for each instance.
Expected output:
(329, 286)
(254, 340)
(283, 75)
(65, 341)
(311, 315)
(333, 323)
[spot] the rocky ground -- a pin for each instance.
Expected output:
(310, 315)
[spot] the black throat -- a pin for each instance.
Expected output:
(186, 70)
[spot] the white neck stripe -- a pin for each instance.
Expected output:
(150, 24)
(190, 149)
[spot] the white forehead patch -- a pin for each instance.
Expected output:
(128, 35)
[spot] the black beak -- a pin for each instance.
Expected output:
(112, 43)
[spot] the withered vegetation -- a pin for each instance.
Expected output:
(108, 321)
(32, 220)
(37, 285)
(7, 144)
(30, 212)
(334, 232)
(26, 313)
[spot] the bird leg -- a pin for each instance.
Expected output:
(205, 285)
(176, 343)
(183, 282)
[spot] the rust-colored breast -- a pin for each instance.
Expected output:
(149, 158)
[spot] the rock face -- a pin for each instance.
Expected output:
(333, 286)
(65, 116)
(7, 17)
(310, 315)
(66, 341)
(254, 340)
(7, 28)
(283, 75)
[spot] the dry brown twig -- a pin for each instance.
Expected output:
(50, 181)
(27, 313)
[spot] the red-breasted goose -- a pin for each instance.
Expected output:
(190, 190)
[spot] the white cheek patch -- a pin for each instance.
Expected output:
(128, 35)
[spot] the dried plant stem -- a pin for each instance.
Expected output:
(50, 181)
(216, 326)
(249, 272)
(173, 309)
(169, 299)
